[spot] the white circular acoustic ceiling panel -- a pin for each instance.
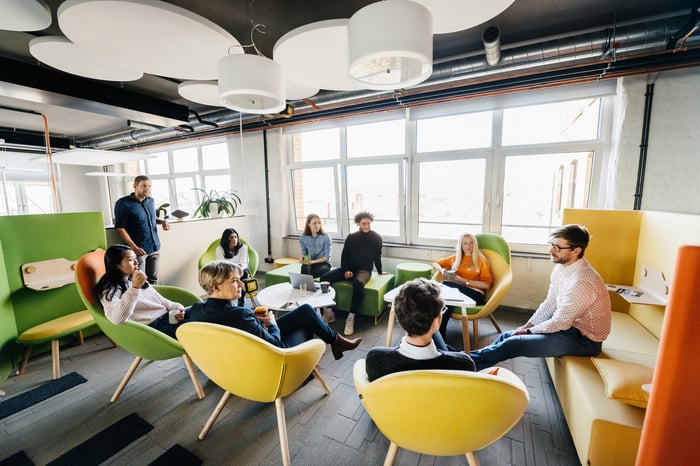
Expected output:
(202, 92)
(316, 55)
(24, 15)
(62, 54)
(149, 35)
(457, 15)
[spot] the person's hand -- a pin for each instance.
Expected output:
(180, 315)
(139, 251)
(267, 319)
(348, 275)
(166, 225)
(520, 331)
(138, 279)
(384, 273)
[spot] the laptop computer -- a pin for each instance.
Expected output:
(298, 278)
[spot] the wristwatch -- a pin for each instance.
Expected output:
(528, 331)
(467, 282)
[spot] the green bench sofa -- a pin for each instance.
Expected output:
(373, 304)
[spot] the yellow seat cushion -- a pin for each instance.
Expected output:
(624, 380)
(56, 328)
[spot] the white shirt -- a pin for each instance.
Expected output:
(241, 258)
(577, 297)
(418, 352)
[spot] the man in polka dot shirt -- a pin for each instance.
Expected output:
(573, 319)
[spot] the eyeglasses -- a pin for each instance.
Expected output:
(559, 248)
(444, 309)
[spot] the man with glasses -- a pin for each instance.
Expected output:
(420, 310)
(574, 318)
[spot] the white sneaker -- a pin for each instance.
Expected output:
(328, 315)
(349, 324)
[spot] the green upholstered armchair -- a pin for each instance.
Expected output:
(210, 256)
(138, 339)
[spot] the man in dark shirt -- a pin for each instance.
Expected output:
(419, 308)
(136, 223)
(362, 250)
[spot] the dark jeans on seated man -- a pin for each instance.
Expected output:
(359, 280)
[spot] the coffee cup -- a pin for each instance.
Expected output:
(260, 311)
(171, 316)
(307, 258)
(325, 287)
(450, 274)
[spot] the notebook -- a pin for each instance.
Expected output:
(298, 278)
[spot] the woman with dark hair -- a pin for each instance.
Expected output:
(126, 295)
(231, 249)
(315, 248)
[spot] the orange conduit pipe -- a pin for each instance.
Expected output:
(47, 137)
(672, 423)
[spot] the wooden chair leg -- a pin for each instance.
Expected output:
(193, 376)
(390, 326)
(126, 378)
(471, 459)
(214, 415)
(55, 359)
(321, 381)
(81, 339)
(495, 324)
(282, 427)
(475, 324)
(465, 334)
(391, 454)
(25, 359)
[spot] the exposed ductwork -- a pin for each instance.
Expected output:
(587, 56)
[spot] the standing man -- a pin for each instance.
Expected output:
(574, 318)
(362, 249)
(136, 223)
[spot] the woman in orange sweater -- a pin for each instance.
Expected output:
(467, 270)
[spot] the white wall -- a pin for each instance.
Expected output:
(673, 166)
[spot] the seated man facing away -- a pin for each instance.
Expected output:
(574, 318)
(419, 308)
(221, 281)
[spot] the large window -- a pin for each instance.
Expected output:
(428, 177)
(175, 174)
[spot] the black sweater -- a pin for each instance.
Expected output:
(383, 361)
(361, 251)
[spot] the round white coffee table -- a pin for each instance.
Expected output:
(282, 297)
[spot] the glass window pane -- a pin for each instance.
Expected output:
(160, 192)
(451, 198)
(215, 156)
(384, 138)
(217, 182)
(314, 192)
(185, 160)
(375, 188)
(574, 120)
(316, 145)
(39, 198)
(158, 165)
(454, 132)
(537, 188)
(186, 197)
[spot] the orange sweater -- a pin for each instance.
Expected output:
(465, 271)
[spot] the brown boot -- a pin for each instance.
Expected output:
(343, 344)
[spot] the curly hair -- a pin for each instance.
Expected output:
(417, 305)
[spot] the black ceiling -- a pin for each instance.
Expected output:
(29, 85)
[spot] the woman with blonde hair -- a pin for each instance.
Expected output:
(467, 270)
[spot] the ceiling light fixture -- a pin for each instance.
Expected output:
(141, 125)
(251, 83)
(492, 45)
(390, 45)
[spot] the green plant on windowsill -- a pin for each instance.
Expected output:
(163, 208)
(217, 204)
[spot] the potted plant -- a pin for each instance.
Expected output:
(217, 204)
(162, 209)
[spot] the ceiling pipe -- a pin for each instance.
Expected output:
(590, 48)
(492, 45)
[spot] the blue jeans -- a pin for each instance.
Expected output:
(534, 345)
(302, 324)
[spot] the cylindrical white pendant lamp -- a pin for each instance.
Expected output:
(251, 84)
(390, 45)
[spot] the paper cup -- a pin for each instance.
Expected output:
(325, 287)
(171, 316)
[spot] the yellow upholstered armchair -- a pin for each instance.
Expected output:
(429, 419)
(497, 251)
(249, 367)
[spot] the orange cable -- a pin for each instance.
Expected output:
(50, 157)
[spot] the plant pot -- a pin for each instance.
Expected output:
(214, 210)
